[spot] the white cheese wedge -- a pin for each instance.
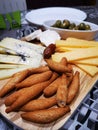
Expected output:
(49, 36)
(33, 35)
(34, 62)
(22, 47)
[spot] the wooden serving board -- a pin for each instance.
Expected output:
(86, 83)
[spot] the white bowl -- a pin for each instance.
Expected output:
(82, 34)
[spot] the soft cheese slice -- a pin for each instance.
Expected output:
(35, 62)
(7, 73)
(7, 51)
(22, 47)
(10, 66)
(89, 69)
(76, 54)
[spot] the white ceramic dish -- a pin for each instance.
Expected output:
(38, 16)
(82, 34)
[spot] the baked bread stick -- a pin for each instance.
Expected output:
(62, 92)
(38, 70)
(57, 67)
(68, 74)
(28, 94)
(46, 115)
(64, 61)
(13, 97)
(39, 104)
(52, 88)
(33, 79)
(73, 88)
(16, 78)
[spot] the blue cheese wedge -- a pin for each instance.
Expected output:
(22, 47)
(7, 51)
(12, 59)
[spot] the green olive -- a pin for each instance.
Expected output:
(58, 23)
(87, 27)
(66, 23)
(62, 26)
(72, 26)
(76, 27)
(82, 26)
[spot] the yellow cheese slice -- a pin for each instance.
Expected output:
(91, 70)
(74, 42)
(89, 61)
(64, 49)
(76, 54)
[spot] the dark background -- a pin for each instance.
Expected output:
(33, 4)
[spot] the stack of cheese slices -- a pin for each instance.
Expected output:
(17, 55)
(82, 53)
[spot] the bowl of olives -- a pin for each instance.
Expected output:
(73, 28)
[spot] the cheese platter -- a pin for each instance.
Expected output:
(87, 79)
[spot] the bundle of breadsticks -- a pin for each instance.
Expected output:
(42, 94)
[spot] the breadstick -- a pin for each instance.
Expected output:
(16, 78)
(62, 92)
(28, 93)
(39, 104)
(58, 67)
(69, 78)
(54, 77)
(13, 97)
(68, 74)
(46, 115)
(52, 88)
(64, 61)
(38, 70)
(73, 88)
(33, 79)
